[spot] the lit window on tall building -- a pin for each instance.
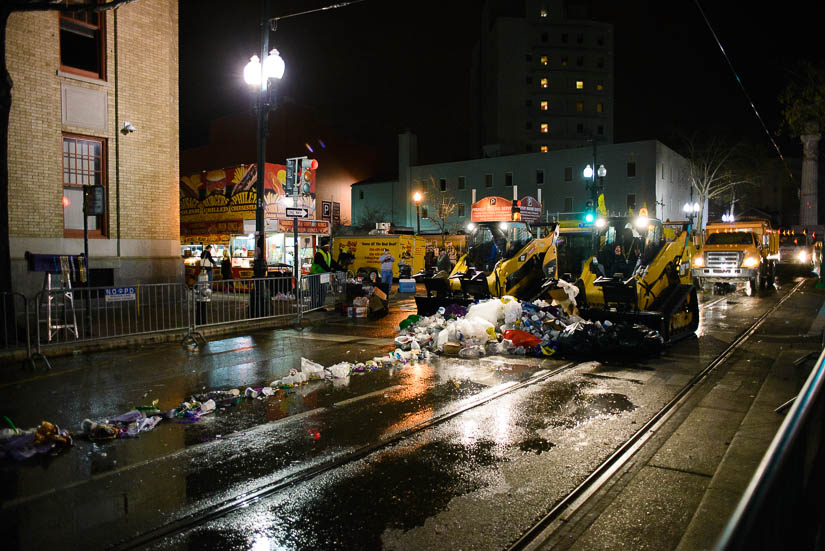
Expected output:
(545, 128)
(599, 87)
(543, 12)
(544, 83)
(600, 108)
(544, 149)
(545, 105)
(544, 60)
(579, 85)
(579, 107)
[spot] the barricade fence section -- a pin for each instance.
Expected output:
(92, 313)
(14, 309)
(782, 507)
(321, 290)
(231, 301)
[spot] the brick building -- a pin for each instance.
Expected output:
(78, 79)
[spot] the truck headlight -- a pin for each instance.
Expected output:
(751, 262)
(802, 256)
(698, 261)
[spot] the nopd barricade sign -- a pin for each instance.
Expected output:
(117, 294)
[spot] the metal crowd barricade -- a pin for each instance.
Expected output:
(16, 323)
(234, 300)
(93, 313)
(321, 290)
(782, 508)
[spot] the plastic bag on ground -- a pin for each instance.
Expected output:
(311, 369)
(340, 370)
(491, 310)
(522, 338)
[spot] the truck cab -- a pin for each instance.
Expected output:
(734, 253)
(799, 250)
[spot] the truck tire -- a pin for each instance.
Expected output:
(753, 285)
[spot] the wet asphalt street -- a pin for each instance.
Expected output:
(443, 454)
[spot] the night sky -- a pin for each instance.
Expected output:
(374, 69)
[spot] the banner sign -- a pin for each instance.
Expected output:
(117, 294)
(304, 225)
(530, 209)
(492, 209)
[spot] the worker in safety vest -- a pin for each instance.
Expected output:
(322, 262)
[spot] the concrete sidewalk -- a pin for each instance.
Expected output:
(680, 489)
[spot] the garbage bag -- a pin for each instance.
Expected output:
(522, 338)
(311, 369)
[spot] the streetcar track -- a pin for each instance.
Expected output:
(627, 450)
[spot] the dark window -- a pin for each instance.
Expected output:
(580, 128)
(442, 184)
(544, 37)
(361, 194)
(631, 168)
(488, 180)
(568, 204)
(508, 178)
(82, 43)
(461, 182)
(631, 201)
(84, 164)
(600, 130)
(539, 177)
(564, 61)
(424, 212)
(461, 209)
(568, 174)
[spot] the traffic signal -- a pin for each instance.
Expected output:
(516, 211)
(306, 176)
(589, 214)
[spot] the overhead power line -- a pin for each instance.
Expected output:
(745, 92)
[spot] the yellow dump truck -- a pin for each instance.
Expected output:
(360, 253)
(744, 251)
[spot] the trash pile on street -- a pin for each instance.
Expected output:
(48, 438)
(509, 326)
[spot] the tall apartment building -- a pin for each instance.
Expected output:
(78, 79)
(542, 79)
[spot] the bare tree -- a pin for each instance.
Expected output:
(715, 169)
(369, 217)
(440, 204)
(7, 7)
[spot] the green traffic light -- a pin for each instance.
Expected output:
(588, 217)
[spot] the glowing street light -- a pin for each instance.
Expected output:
(417, 200)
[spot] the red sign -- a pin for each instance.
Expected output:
(304, 226)
(530, 209)
(492, 209)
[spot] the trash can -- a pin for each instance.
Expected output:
(203, 296)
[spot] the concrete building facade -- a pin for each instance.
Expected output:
(77, 80)
(543, 79)
(645, 173)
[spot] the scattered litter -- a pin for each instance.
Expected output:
(24, 444)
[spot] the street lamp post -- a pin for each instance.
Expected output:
(417, 199)
(691, 210)
(590, 177)
(258, 74)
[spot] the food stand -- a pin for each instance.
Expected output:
(217, 208)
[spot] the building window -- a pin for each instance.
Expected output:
(564, 61)
(544, 83)
(579, 106)
(461, 182)
(442, 184)
(488, 180)
(631, 201)
(84, 160)
(544, 149)
(600, 130)
(461, 210)
(631, 169)
(545, 105)
(580, 128)
(361, 194)
(600, 87)
(508, 178)
(545, 127)
(599, 108)
(568, 204)
(663, 171)
(568, 174)
(424, 213)
(539, 177)
(545, 61)
(543, 12)
(579, 85)
(82, 36)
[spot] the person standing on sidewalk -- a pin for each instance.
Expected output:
(386, 261)
(226, 267)
(208, 263)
